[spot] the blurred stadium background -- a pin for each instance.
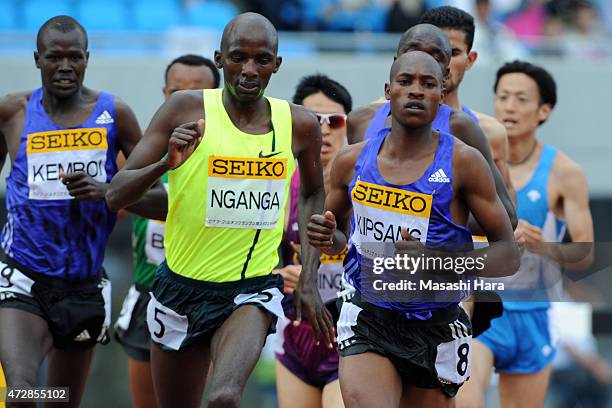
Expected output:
(352, 41)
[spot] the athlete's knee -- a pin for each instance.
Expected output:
(355, 399)
(470, 397)
(20, 377)
(477, 402)
(225, 397)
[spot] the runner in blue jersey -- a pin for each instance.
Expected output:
(62, 139)
(410, 352)
(458, 26)
(368, 121)
(552, 195)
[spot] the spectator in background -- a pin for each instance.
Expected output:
(528, 24)
(607, 13)
(493, 40)
(284, 14)
(551, 44)
(404, 14)
(355, 15)
(585, 37)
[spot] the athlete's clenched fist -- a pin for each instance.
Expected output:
(82, 186)
(321, 230)
(183, 142)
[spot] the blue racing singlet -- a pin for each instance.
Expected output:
(380, 209)
(538, 274)
(47, 230)
(378, 123)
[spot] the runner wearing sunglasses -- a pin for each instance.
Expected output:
(304, 367)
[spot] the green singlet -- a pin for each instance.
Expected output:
(148, 246)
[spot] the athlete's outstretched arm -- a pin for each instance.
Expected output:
(146, 163)
(7, 110)
(10, 120)
(306, 146)
(465, 129)
(476, 188)
(329, 231)
(578, 254)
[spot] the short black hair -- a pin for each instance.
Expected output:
(313, 84)
(452, 18)
(62, 24)
(195, 61)
(545, 81)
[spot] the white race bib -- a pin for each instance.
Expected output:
(165, 325)
(329, 277)
(245, 192)
(454, 359)
(380, 212)
(154, 246)
(12, 281)
(64, 151)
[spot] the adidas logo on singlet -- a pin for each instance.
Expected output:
(105, 118)
(439, 177)
(83, 336)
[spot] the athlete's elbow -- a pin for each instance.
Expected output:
(512, 261)
(113, 199)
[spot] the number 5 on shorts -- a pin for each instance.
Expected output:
(165, 325)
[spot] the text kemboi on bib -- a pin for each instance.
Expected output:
(64, 151)
(46, 230)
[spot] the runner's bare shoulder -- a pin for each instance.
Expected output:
(359, 120)
(492, 128)
(12, 103)
(343, 166)
(183, 106)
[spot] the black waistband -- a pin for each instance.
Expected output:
(229, 286)
(142, 288)
(52, 280)
(410, 318)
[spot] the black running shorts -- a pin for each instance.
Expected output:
(131, 329)
(432, 353)
(78, 312)
(183, 311)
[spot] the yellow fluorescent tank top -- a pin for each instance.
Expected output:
(226, 203)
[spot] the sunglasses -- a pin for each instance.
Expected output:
(333, 120)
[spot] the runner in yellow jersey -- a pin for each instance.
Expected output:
(231, 154)
(185, 72)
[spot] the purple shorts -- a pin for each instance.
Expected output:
(297, 351)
